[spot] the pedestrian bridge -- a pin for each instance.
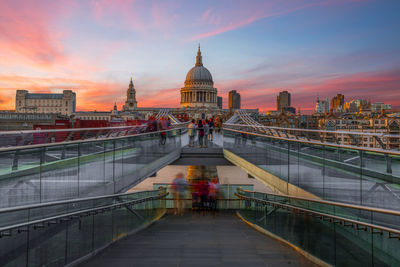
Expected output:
(63, 203)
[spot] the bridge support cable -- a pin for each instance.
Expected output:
(338, 138)
(165, 113)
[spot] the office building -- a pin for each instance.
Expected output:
(234, 100)
(337, 103)
(219, 102)
(283, 100)
(322, 106)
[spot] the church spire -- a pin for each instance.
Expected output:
(130, 103)
(199, 60)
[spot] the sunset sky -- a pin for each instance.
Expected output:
(308, 47)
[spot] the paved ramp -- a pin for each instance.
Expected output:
(211, 155)
(197, 240)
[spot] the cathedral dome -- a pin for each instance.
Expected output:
(199, 74)
(199, 88)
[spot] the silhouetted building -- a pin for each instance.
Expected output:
(219, 102)
(379, 106)
(357, 105)
(283, 100)
(290, 110)
(322, 106)
(337, 103)
(234, 100)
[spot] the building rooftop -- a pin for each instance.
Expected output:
(44, 96)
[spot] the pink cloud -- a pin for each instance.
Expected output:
(257, 92)
(163, 98)
(26, 32)
(206, 15)
(226, 19)
(141, 16)
(230, 26)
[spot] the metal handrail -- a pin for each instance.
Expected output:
(69, 130)
(332, 218)
(4, 149)
(68, 201)
(374, 150)
(338, 204)
(78, 213)
(314, 130)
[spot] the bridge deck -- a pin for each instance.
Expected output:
(211, 155)
(196, 240)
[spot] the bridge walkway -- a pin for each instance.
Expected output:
(197, 240)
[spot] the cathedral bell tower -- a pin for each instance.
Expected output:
(130, 103)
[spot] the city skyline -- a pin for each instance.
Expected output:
(309, 48)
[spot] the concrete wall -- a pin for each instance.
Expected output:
(275, 183)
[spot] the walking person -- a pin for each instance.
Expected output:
(200, 127)
(204, 187)
(195, 186)
(211, 124)
(179, 186)
(191, 132)
(206, 132)
(163, 136)
(213, 193)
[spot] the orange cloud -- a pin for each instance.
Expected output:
(90, 95)
(168, 98)
(255, 92)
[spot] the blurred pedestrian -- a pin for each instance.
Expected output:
(200, 127)
(161, 129)
(206, 132)
(179, 187)
(191, 133)
(195, 195)
(212, 125)
(213, 193)
(154, 125)
(203, 191)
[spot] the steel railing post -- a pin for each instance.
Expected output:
(388, 163)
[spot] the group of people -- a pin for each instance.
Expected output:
(164, 123)
(204, 194)
(205, 130)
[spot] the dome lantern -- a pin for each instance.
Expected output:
(199, 59)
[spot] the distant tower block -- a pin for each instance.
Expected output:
(130, 103)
